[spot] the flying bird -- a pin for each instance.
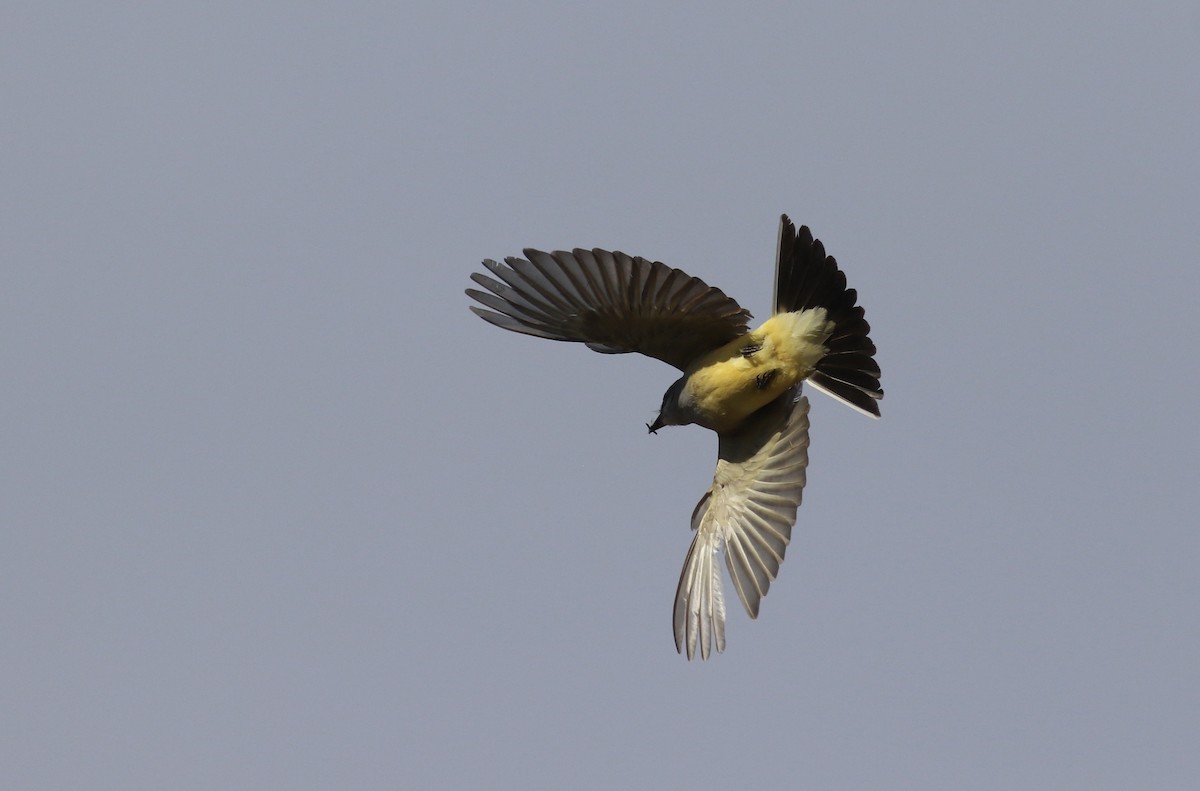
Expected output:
(742, 384)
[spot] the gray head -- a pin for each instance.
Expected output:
(675, 410)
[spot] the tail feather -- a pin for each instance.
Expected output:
(807, 278)
(851, 361)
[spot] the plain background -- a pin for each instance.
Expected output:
(279, 512)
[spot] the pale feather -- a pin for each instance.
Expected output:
(748, 511)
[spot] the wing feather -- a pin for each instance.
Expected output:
(749, 511)
(699, 601)
(612, 302)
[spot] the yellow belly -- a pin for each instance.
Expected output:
(730, 383)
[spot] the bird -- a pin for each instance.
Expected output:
(744, 385)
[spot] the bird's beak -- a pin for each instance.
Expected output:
(656, 425)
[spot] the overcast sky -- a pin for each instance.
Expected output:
(278, 512)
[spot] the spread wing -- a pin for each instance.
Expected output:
(612, 302)
(748, 511)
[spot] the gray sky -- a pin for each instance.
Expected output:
(279, 512)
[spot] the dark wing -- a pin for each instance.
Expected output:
(749, 511)
(805, 278)
(612, 302)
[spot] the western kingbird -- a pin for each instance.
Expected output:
(742, 384)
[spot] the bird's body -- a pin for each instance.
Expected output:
(734, 381)
(742, 384)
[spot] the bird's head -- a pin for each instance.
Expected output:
(674, 410)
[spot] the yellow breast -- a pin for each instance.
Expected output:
(732, 382)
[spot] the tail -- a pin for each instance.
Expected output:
(806, 278)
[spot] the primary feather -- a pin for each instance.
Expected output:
(613, 302)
